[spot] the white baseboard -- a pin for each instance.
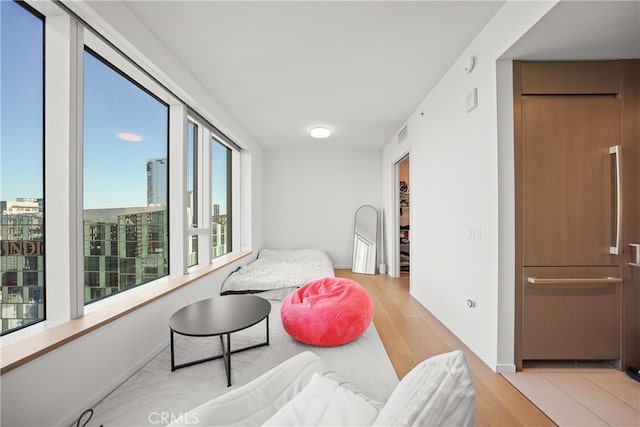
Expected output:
(505, 368)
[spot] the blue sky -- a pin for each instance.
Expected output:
(21, 87)
(115, 168)
(124, 126)
(219, 175)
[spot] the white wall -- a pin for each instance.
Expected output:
(311, 196)
(56, 388)
(455, 186)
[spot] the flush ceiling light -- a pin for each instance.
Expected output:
(319, 132)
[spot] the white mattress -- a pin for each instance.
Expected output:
(275, 269)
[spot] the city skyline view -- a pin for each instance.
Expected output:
(124, 127)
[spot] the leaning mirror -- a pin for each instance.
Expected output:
(365, 237)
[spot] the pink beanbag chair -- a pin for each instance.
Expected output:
(327, 312)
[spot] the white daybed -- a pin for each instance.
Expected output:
(277, 269)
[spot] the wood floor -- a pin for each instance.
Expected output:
(411, 334)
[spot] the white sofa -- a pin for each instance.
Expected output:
(304, 391)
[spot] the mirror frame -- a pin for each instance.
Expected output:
(365, 239)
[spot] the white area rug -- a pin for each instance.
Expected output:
(155, 392)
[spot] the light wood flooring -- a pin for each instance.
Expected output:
(411, 334)
(589, 395)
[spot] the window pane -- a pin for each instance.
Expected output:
(192, 185)
(192, 254)
(192, 174)
(126, 241)
(21, 158)
(220, 199)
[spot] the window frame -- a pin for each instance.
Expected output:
(193, 162)
(43, 150)
(229, 195)
(201, 229)
(90, 42)
(207, 133)
(88, 50)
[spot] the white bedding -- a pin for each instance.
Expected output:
(275, 269)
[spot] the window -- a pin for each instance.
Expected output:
(220, 198)
(192, 193)
(211, 158)
(22, 300)
(125, 182)
(121, 188)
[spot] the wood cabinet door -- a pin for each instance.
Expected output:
(569, 179)
(576, 319)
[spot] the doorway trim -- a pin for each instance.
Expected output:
(394, 270)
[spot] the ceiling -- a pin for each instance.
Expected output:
(583, 30)
(359, 68)
(280, 68)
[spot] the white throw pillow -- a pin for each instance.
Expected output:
(437, 392)
(323, 402)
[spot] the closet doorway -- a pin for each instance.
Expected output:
(404, 215)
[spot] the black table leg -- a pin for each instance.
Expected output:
(226, 357)
(228, 360)
(173, 365)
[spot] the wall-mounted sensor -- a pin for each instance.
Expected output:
(469, 63)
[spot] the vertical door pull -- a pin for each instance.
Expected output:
(615, 150)
(635, 258)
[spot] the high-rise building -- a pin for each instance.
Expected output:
(218, 232)
(21, 262)
(157, 182)
(123, 248)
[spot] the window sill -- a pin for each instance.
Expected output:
(23, 351)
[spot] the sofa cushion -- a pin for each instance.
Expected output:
(255, 402)
(323, 402)
(439, 391)
(327, 312)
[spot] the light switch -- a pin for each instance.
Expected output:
(475, 233)
(472, 99)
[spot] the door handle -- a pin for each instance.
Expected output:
(615, 150)
(573, 281)
(636, 258)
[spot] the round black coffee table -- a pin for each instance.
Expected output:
(219, 316)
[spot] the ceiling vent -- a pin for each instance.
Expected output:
(402, 135)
